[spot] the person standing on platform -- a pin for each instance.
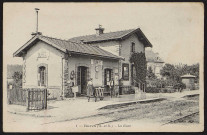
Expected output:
(90, 88)
(111, 87)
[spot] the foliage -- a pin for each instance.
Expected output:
(150, 74)
(13, 68)
(173, 73)
(160, 90)
(179, 86)
(168, 71)
(17, 76)
(139, 61)
(158, 83)
(152, 90)
(168, 90)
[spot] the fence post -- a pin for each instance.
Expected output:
(45, 102)
(42, 99)
(27, 99)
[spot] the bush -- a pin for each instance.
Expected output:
(131, 91)
(156, 83)
(179, 86)
(167, 90)
(152, 90)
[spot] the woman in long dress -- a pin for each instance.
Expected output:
(90, 88)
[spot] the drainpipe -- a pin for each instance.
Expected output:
(62, 78)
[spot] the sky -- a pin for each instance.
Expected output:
(176, 30)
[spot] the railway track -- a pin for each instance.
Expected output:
(181, 118)
(160, 109)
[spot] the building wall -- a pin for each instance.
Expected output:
(74, 62)
(110, 46)
(53, 60)
(126, 52)
(189, 82)
(98, 76)
(123, 48)
(156, 67)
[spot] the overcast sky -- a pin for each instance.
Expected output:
(174, 29)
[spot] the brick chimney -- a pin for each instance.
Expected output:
(99, 30)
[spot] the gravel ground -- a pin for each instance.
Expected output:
(194, 118)
(153, 113)
(157, 112)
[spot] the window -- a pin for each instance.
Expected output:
(125, 71)
(42, 76)
(107, 75)
(133, 47)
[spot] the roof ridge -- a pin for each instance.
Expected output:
(54, 38)
(103, 33)
(73, 42)
(59, 39)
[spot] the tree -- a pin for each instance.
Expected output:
(17, 76)
(168, 71)
(173, 73)
(150, 74)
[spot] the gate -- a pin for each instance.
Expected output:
(37, 99)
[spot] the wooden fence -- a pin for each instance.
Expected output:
(17, 96)
(32, 98)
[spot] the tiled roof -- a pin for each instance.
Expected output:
(80, 48)
(152, 57)
(102, 37)
(73, 47)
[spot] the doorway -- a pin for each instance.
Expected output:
(82, 79)
(108, 73)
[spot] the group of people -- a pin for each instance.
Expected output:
(91, 91)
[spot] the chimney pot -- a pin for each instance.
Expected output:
(99, 30)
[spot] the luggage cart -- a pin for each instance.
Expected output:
(99, 93)
(96, 93)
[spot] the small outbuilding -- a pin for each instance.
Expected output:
(189, 81)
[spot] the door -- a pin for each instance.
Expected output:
(107, 78)
(82, 79)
